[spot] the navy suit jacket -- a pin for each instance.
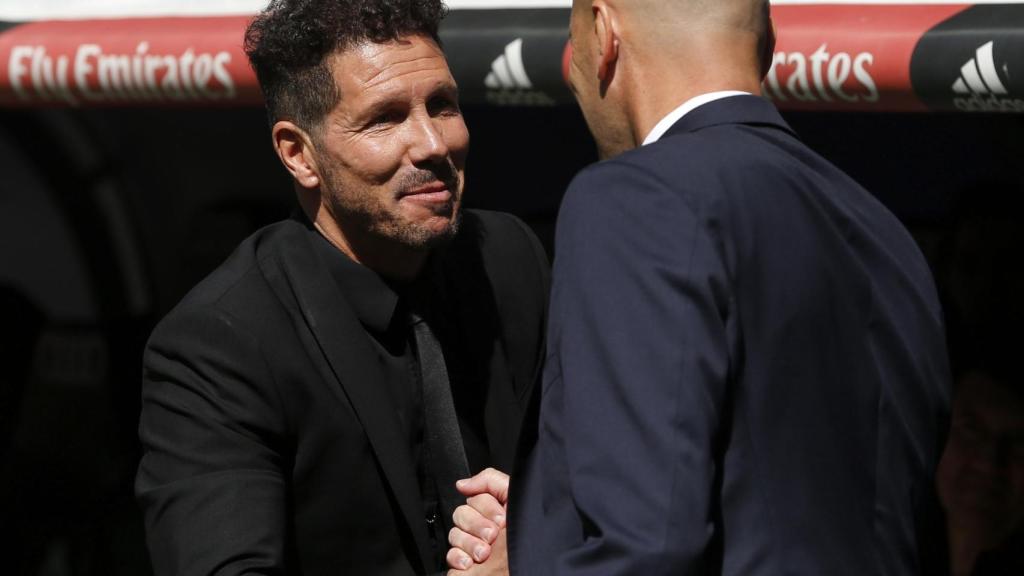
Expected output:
(746, 369)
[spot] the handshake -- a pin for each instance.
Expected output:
(478, 538)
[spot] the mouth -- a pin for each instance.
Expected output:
(434, 193)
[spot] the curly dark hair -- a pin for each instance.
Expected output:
(287, 44)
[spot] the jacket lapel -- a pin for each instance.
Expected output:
(471, 316)
(340, 336)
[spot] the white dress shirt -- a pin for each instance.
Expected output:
(661, 127)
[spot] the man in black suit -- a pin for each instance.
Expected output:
(746, 371)
(309, 405)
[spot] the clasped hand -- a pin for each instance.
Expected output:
(478, 538)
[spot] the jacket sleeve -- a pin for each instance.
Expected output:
(532, 286)
(210, 481)
(635, 382)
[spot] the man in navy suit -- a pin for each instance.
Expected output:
(746, 369)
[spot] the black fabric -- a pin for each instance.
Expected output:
(376, 303)
(272, 442)
(373, 299)
(444, 441)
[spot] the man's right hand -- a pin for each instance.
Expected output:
(479, 521)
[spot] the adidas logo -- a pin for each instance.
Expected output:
(507, 70)
(979, 75)
(980, 87)
(508, 83)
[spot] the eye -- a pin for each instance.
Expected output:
(385, 117)
(442, 104)
(389, 117)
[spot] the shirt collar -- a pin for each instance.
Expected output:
(372, 298)
(674, 116)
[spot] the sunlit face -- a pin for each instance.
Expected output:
(392, 152)
(981, 476)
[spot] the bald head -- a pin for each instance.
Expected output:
(636, 60)
(664, 22)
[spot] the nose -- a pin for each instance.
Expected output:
(427, 143)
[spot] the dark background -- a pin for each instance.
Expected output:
(107, 217)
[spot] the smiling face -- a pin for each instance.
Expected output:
(391, 154)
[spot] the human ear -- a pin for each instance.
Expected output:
(768, 49)
(606, 32)
(295, 149)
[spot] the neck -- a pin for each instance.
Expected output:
(389, 259)
(664, 81)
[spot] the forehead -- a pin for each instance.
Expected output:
(408, 61)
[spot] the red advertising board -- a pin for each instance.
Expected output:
(883, 57)
(849, 57)
(132, 61)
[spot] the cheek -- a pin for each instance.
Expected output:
(374, 159)
(456, 138)
(575, 74)
(584, 86)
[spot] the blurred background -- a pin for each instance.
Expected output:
(108, 215)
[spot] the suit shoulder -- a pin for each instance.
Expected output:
(503, 237)
(499, 251)
(625, 187)
(237, 286)
(647, 169)
(497, 226)
(722, 167)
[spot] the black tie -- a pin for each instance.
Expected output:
(444, 440)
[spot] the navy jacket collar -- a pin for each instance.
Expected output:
(753, 110)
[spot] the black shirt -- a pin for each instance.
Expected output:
(383, 308)
(377, 306)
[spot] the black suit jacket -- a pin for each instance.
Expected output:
(269, 443)
(746, 372)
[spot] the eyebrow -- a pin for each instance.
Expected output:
(378, 107)
(448, 88)
(389, 100)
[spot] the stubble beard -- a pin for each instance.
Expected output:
(368, 214)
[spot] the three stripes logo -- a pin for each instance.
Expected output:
(979, 74)
(508, 84)
(507, 70)
(980, 88)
